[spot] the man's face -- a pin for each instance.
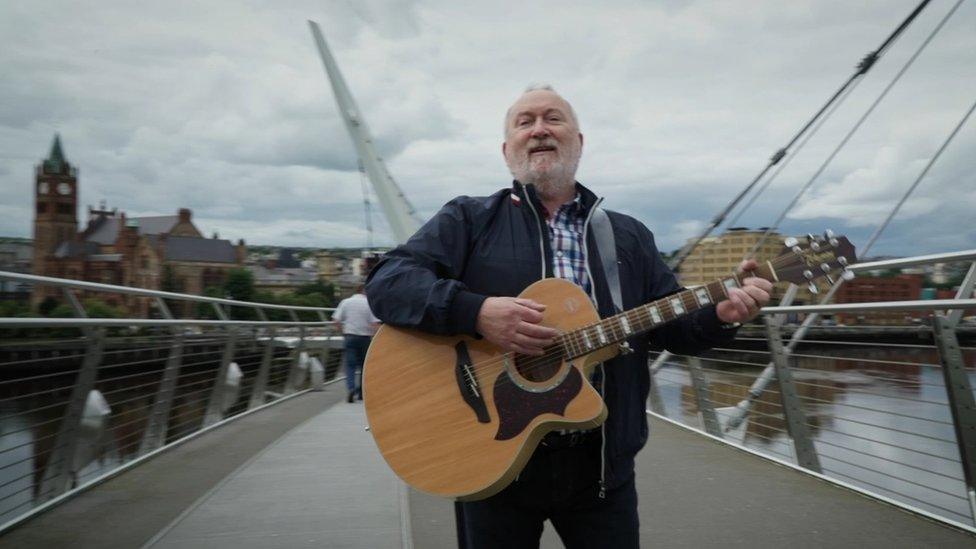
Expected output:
(542, 142)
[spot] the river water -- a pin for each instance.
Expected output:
(878, 415)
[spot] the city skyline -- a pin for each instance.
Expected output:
(681, 104)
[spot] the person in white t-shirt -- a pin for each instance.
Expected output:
(357, 323)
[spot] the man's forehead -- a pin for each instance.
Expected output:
(539, 100)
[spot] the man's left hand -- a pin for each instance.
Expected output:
(744, 302)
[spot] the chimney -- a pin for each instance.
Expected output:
(241, 251)
(185, 215)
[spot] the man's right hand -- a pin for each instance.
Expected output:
(512, 323)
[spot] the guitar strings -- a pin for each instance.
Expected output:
(533, 364)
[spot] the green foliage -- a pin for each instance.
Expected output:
(240, 285)
(325, 290)
(47, 305)
(15, 309)
(206, 310)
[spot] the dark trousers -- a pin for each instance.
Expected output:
(355, 350)
(560, 485)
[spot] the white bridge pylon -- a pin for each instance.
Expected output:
(400, 214)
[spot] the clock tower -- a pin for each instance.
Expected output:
(55, 205)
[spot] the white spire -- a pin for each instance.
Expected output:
(399, 213)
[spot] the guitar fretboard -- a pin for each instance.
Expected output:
(617, 328)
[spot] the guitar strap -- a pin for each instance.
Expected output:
(607, 248)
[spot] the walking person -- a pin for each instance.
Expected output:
(358, 325)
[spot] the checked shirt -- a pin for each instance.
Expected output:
(566, 241)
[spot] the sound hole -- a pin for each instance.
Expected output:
(538, 368)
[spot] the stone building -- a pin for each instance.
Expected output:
(718, 256)
(156, 252)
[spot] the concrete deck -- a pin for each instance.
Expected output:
(322, 484)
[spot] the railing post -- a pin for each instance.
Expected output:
(292, 382)
(706, 412)
(654, 393)
(961, 404)
(215, 405)
(261, 380)
(965, 291)
(158, 423)
(58, 473)
(796, 420)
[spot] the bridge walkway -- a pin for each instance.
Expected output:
(304, 473)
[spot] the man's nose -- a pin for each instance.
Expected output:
(539, 128)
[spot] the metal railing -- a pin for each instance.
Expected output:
(82, 399)
(889, 413)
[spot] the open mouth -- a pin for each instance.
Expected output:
(542, 149)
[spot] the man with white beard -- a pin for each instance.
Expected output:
(460, 273)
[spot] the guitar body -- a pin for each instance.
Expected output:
(443, 436)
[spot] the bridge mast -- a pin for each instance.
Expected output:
(399, 213)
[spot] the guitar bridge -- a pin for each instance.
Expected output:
(468, 383)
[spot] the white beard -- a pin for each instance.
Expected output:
(551, 178)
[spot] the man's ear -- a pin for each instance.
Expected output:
(581, 142)
(504, 149)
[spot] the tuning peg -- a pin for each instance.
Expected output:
(831, 238)
(847, 274)
(813, 288)
(791, 242)
(841, 260)
(808, 274)
(830, 279)
(825, 268)
(797, 250)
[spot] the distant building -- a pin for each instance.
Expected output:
(864, 289)
(346, 270)
(718, 256)
(278, 280)
(16, 257)
(156, 252)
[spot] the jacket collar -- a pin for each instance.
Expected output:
(527, 192)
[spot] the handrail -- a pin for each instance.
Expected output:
(916, 305)
(948, 257)
(105, 322)
(97, 286)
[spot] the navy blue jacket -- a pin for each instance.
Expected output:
(478, 247)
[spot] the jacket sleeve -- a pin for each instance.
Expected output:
(416, 284)
(692, 334)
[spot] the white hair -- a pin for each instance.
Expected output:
(540, 87)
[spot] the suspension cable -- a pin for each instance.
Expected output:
(854, 128)
(862, 68)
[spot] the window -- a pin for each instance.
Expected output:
(41, 207)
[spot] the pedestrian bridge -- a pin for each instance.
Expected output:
(234, 431)
(305, 473)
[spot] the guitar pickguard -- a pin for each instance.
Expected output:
(517, 407)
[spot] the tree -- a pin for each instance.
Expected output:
(240, 285)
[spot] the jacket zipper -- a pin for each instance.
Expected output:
(603, 377)
(538, 224)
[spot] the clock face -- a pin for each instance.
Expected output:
(64, 188)
(42, 187)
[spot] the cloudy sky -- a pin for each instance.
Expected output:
(223, 107)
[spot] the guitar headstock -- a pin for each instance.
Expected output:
(805, 261)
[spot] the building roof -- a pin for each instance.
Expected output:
(283, 276)
(107, 228)
(193, 248)
(73, 249)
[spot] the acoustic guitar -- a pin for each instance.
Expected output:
(458, 417)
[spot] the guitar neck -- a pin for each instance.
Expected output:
(617, 328)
